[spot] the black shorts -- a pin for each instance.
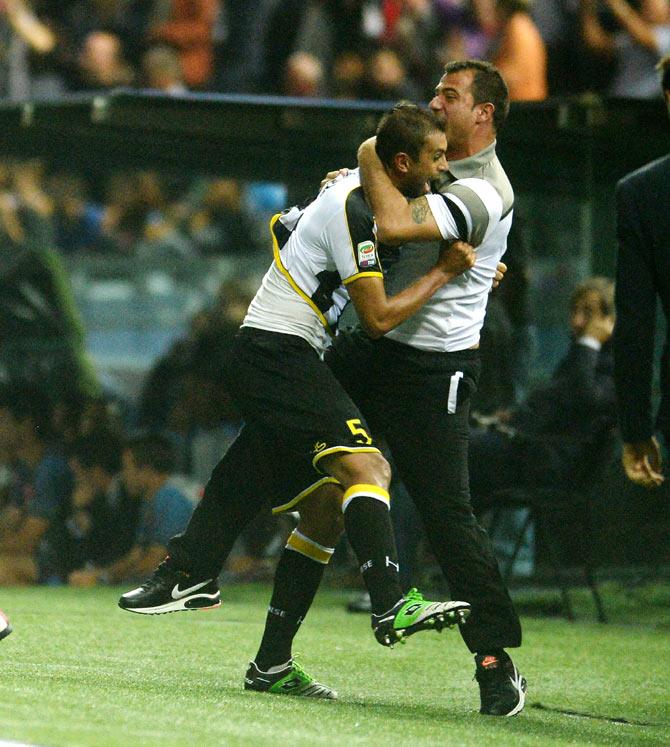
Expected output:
(294, 409)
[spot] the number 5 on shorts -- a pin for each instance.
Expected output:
(356, 427)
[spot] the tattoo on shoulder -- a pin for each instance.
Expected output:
(420, 210)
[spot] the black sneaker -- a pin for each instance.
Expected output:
(169, 590)
(502, 689)
(287, 680)
(5, 627)
(413, 613)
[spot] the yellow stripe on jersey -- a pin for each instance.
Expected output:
(351, 278)
(277, 257)
(372, 491)
(310, 549)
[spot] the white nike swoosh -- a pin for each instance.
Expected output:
(179, 594)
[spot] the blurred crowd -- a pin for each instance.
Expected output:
(132, 213)
(351, 49)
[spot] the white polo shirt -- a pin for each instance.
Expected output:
(475, 205)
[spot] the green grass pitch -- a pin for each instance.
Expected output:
(79, 671)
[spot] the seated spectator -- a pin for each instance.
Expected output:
(347, 75)
(103, 518)
(162, 71)
(188, 26)
(303, 76)
(543, 440)
(643, 37)
(101, 63)
(147, 464)
(32, 522)
(221, 225)
(78, 220)
(387, 78)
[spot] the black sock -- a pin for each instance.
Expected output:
(368, 525)
(296, 580)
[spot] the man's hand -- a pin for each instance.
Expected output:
(501, 269)
(333, 175)
(455, 258)
(642, 463)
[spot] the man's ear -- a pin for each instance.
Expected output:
(485, 112)
(402, 162)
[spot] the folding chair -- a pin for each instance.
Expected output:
(547, 506)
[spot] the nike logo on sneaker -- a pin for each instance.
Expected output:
(177, 593)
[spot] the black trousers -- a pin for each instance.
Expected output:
(420, 402)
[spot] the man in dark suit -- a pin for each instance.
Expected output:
(643, 275)
(545, 440)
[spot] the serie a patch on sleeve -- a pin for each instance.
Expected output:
(367, 256)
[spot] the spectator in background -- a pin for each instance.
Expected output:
(643, 231)
(221, 225)
(103, 518)
(147, 465)
(39, 325)
(347, 75)
(101, 63)
(162, 70)
(387, 78)
(303, 76)
(643, 36)
(78, 220)
(544, 440)
(519, 52)
(21, 32)
(32, 523)
(188, 26)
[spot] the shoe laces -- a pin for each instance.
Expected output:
(414, 595)
(158, 575)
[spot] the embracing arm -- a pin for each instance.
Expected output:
(398, 220)
(379, 313)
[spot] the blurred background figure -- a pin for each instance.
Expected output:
(188, 26)
(303, 76)
(162, 70)
(102, 65)
(148, 463)
(32, 522)
(543, 440)
(387, 79)
(103, 517)
(639, 39)
(22, 33)
(519, 52)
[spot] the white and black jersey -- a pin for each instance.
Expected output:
(318, 250)
(477, 207)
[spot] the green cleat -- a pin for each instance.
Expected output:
(288, 680)
(413, 613)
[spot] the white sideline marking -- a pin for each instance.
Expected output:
(5, 743)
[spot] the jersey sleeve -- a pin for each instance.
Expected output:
(468, 210)
(352, 236)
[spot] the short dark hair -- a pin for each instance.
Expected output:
(488, 86)
(404, 130)
(99, 448)
(663, 68)
(153, 450)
